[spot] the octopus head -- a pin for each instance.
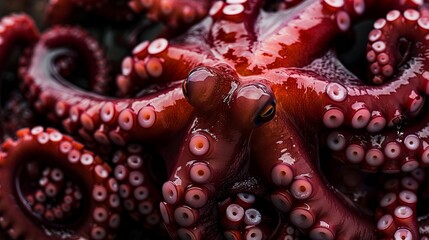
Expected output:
(213, 155)
(249, 105)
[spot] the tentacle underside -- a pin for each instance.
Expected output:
(137, 189)
(396, 213)
(87, 208)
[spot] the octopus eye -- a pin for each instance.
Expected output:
(266, 114)
(253, 105)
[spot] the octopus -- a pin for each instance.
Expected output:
(239, 119)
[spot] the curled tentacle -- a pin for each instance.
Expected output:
(82, 46)
(348, 104)
(97, 118)
(282, 41)
(15, 29)
(53, 188)
(362, 106)
(394, 40)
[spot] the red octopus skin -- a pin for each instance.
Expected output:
(249, 124)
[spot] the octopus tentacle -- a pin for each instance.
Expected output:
(208, 159)
(241, 13)
(325, 19)
(360, 107)
(297, 186)
(102, 119)
(402, 149)
(230, 42)
(140, 195)
(261, 87)
(60, 11)
(281, 41)
(384, 54)
(246, 216)
(159, 61)
(174, 13)
(397, 210)
(15, 29)
(354, 104)
(33, 203)
(83, 45)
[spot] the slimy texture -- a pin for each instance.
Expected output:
(242, 119)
